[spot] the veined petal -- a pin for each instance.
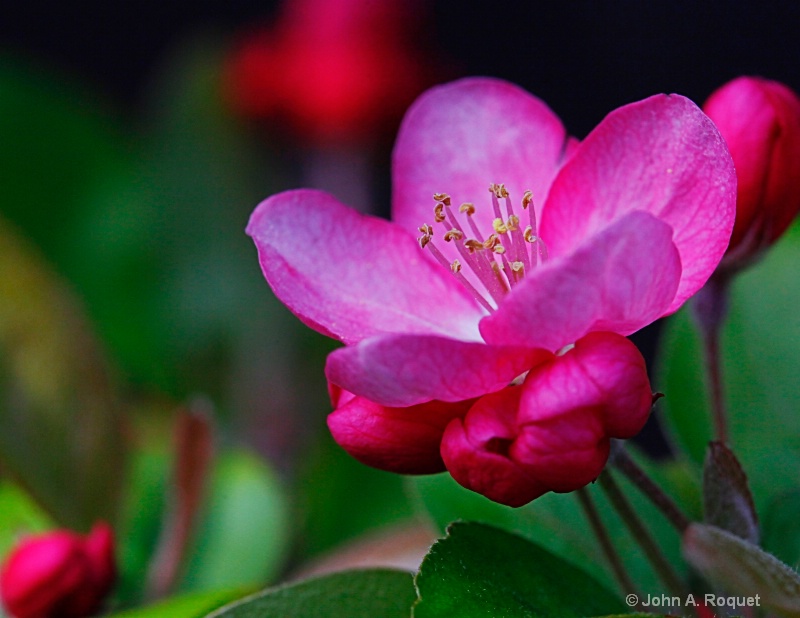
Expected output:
(661, 155)
(402, 440)
(405, 370)
(604, 371)
(460, 137)
(351, 276)
(475, 451)
(622, 279)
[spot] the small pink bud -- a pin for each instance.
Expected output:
(59, 574)
(760, 121)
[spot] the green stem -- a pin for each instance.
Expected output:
(642, 536)
(590, 510)
(625, 464)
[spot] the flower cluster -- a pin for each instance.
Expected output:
(485, 331)
(59, 574)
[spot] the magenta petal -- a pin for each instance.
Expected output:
(405, 370)
(351, 276)
(661, 155)
(402, 440)
(461, 137)
(621, 280)
(475, 451)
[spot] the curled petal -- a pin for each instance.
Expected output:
(460, 137)
(403, 440)
(552, 433)
(404, 370)
(622, 279)
(661, 155)
(475, 451)
(351, 276)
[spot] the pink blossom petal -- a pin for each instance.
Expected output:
(405, 370)
(622, 279)
(402, 440)
(475, 450)
(661, 155)
(351, 276)
(461, 137)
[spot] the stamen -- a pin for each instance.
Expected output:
(498, 261)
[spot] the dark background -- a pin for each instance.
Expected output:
(584, 57)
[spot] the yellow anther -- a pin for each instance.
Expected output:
(442, 197)
(438, 213)
(517, 266)
(513, 223)
(423, 240)
(426, 229)
(527, 199)
(468, 208)
(528, 234)
(491, 242)
(499, 226)
(473, 245)
(499, 190)
(453, 235)
(499, 249)
(455, 266)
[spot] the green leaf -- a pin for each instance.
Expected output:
(379, 593)
(60, 416)
(742, 568)
(727, 502)
(244, 535)
(185, 606)
(557, 523)
(483, 571)
(18, 515)
(760, 347)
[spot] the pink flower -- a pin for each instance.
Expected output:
(500, 354)
(59, 574)
(335, 69)
(760, 121)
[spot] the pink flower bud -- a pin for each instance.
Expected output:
(59, 574)
(760, 121)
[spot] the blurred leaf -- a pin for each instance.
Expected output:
(742, 568)
(760, 348)
(343, 498)
(194, 605)
(244, 535)
(19, 515)
(727, 502)
(483, 571)
(781, 527)
(60, 423)
(557, 523)
(378, 593)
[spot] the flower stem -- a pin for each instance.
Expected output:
(600, 531)
(636, 475)
(710, 309)
(641, 535)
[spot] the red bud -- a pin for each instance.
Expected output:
(760, 121)
(59, 574)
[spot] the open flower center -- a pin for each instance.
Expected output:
(497, 261)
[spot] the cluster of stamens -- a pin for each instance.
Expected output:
(497, 262)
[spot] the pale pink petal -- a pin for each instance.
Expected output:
(351, 276)
(661, 155)
(461, 137)
(475, 451)
(622, 279)
(402, 440)
(404, 370)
